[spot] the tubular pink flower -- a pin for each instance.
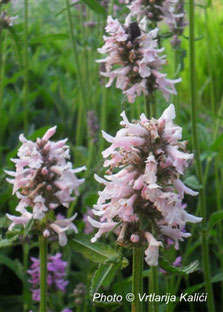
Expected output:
(60, 226)
(152, 252)
(142, 190)
(136, 58)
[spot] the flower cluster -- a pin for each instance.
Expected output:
(44, 180)
(156, 11)
(143, 193)
(55, 277)
(134, 60)
(179, 25)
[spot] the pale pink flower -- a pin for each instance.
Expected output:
(152, 252)
(142, 184)
(170, 12)
(133, 60)
(61, 226)
(103, 227)
(23, 219)
(43, 180)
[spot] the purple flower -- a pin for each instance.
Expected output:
(133, 60)
(176, 263)
(145, 161)
(56, 275)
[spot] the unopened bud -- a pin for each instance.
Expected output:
(134, 238)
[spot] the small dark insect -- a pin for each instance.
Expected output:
(134, 31)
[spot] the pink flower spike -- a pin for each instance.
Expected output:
(145, 159)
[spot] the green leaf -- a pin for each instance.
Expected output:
(14, 265)
(192, 182)
(96, 252)
(95, 6)
(104, 276)
(28, 227)
(193, 266)
(217, 278)
(8, 242)
(166, 35)
(215, 218)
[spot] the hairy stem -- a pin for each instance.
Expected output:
(26, 291)
(153, 287)
(137, 278)
(43, 273)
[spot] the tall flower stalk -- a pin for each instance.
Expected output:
(44, 180)
(143, 193)
(202, 201)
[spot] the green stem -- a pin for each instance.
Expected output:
(43, 273)
(177, 98)
(137, 278)
(150, 106)
(103, 117)
(26, 291)
(153, 287)
(26, 67)
(1, 76)
(209, 62)
(169, 307)
(79, 132)
(204, 238)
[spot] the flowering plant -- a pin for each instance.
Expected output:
(43, 181)
(143, 193)
(134, 60)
